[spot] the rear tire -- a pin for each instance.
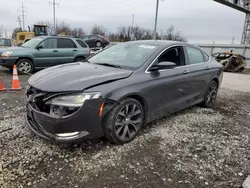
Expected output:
(210, 95)
(98, 44)
(124, 121)
(25, 66)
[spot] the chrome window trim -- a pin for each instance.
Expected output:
(147, 70)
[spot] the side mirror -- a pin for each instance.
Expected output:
(39, 47)
(163, 65)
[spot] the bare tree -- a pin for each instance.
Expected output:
(125, 33)
(138, 33)
(171, 34)
(15, 31)
(98, 30)
(142, 33)
(63, 28)
(77, 32)
(148, 35)
(128, 33)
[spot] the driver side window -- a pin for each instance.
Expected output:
(49, 43)
(174, 55)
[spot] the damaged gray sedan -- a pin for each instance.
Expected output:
(115, 92)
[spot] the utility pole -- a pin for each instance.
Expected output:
(54, 3)
(23, 11)
(1, 31)
(19, 21)
(133, 21)
(156, 19)
(233, 39)
(6, 34)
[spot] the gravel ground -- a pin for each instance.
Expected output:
(194, 148)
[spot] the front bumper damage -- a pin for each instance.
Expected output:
(85, 123)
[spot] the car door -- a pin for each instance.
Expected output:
(199, 73)
(66, 49)
(46, 53)
(167, 86)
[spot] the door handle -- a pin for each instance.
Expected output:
(185, 72)
(55, 50)
(75, 50)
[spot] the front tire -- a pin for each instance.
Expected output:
(124, 121)
(25, 66)
(210, 95)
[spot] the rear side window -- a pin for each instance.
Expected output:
(81, 43)
(194, 55)
(65, 43)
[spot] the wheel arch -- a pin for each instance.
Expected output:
(140, 99)
(216, 80)
(29, 58)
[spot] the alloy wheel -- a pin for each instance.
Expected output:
(128, 121)
(98, 44)
(24, 67)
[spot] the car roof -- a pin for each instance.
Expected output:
(157, 42)
(66, 37)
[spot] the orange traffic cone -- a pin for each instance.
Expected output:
(2, 88)
(15, 81)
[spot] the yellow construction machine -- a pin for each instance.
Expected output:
(38, 30)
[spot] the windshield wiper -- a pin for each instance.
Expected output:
(109, 65)
(85, 60)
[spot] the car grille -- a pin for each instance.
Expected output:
(35, 98)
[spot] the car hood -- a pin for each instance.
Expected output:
(7, 49)
(75, 77)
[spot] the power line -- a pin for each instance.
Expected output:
(23, 14)
(54, 3)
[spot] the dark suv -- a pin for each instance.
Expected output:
(96, 41)
(44, 51)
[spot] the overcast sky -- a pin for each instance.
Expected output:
(201, 21)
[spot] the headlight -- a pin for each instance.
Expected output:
(6, 54)
(74, 100)
(68, 104)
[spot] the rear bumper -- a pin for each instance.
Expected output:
(8, 62)
(86, 121)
